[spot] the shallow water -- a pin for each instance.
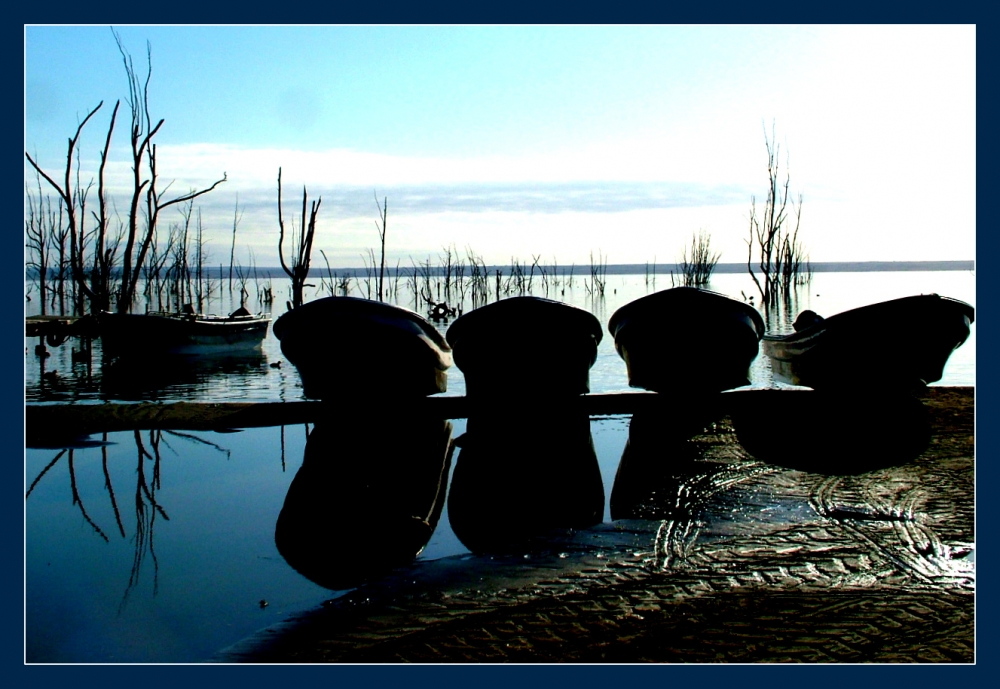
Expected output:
(160, 547)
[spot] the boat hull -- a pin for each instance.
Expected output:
(348, 346)
(650, 336)
(496, 346)
(138, 335)
(900, 344)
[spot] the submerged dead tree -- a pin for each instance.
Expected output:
(299, 270)
(144, 180)
(780, 255)
(237, 216)
(73, 202)
(383, 214)
(698, 266)
(41, 222)
(94, 277)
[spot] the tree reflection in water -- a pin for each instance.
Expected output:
(147, 508)
(145, 514)
(77, 500)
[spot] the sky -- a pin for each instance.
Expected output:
(558, 142)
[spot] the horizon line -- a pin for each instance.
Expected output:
(617, 268)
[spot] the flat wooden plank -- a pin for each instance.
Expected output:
(42, 422)
(45, 424)
(40, 326)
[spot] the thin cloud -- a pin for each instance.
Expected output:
(561, 197)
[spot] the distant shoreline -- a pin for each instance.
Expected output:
(583, 270)
(829, 267)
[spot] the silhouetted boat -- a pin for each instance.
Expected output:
(900, 344)
(687, 339)
(345, 345)
(186, 333)
(509, 345)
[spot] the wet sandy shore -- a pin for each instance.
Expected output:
(755, 563)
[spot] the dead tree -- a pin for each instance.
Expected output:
(237, 216)
(299, 270)
(144, 179)
(68, 194)
(38, 239)
(140, 232)
(697, 268)
(104, 247)
(383, 213)
(779, 250)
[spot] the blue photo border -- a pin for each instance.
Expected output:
(60, 12)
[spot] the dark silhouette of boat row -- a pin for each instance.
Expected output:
(373, 486)
(683, 339)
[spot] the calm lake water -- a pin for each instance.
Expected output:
(160, 547)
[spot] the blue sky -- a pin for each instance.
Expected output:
(550, 141)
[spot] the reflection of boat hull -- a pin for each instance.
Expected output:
(181, 374)
(500, 346)
(830, 432)
(520, 479)
(902, 344)
(367, 498)
(137, 335)
(343, 345)
(652, 336)
(659, 457)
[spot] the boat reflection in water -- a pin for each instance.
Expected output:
(660, 459)
(663, 472)
(140, 377)
(367, 498)
(520, 478)
(830, 431)
(524, 472)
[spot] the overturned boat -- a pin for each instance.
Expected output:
(687, 339)
(351, 346)
(901, 344)
(497, 345)
(135, 335)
